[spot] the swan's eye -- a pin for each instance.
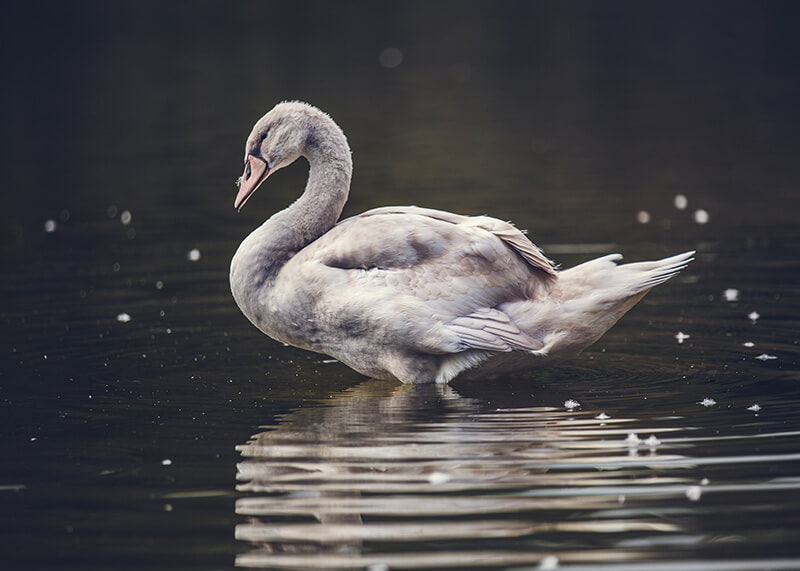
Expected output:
(247, 171)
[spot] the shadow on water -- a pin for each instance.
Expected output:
(384, 476)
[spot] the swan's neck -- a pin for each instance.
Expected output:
(266, 250)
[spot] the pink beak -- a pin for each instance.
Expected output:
(255, 172)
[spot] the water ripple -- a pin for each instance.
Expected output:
(412, 477)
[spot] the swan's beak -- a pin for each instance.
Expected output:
(255, 172)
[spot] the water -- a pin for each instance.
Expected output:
(182, 438)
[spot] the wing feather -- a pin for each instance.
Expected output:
(505, 231)
(493, 330)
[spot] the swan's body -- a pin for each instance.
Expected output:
(408, 293)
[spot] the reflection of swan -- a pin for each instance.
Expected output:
(407, 293)
(398, 466)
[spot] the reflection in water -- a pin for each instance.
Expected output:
(419, 477)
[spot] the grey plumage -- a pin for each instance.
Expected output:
(410, 293)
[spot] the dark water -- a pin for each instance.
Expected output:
(182, 438)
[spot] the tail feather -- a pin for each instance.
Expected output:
(651, 274)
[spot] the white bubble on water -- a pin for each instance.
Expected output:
(50, 226)
(125, 217)
(643, 217)
(753, 316)
(193, 255)
(123, 318)
(766, 357)
(681, 336)
(571, 404)
(694, 493)
(731, 294)
(701, 216)
(680, 202)
(633, 439)
(754, 407)
(652, 442)
(707, 402)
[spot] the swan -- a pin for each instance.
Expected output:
(407, 293)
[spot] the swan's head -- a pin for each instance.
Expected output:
(277, 140)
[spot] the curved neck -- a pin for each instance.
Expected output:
(265, 251)
(321, 204)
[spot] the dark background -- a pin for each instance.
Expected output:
(566, 117)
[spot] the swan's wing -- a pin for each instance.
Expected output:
(492, 330)
(440, 276)
(512, 236)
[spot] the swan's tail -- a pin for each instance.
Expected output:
(646, 275)
(587, 300)
(621, 281)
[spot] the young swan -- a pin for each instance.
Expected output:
(409, 293)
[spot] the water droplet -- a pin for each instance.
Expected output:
(50, 226)
(754, 407)
(602, 416)
(643, 217)
(159, 284)
(193, 255)
(166, 462)
(766, 357)
(753, 316)
(652, 441)
(701, 216)
(125, 217)
(123, 318)
(731, 294)
(390, 58)
(571, 404)
(680, 201)
(633, 439)
(681, 336)
(707, 402)
(749, 344)
(694, 493)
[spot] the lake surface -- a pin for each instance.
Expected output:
(145, 424)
